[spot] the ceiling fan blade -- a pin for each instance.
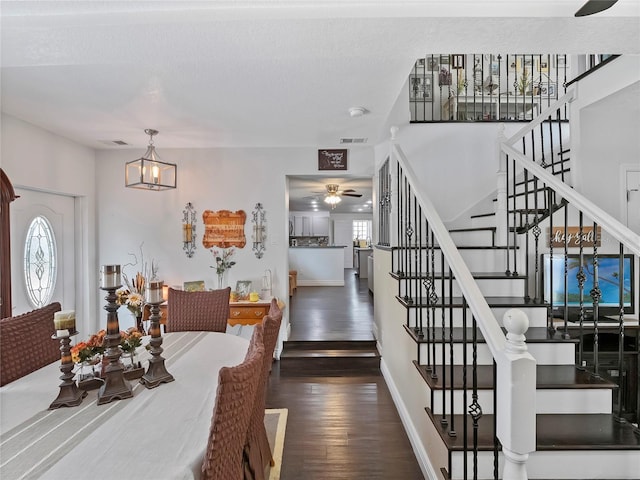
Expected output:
(594, 6)
(348, 190)
(357, 195)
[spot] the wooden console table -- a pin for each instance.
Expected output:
(240, 313)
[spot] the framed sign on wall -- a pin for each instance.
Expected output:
(332, 159)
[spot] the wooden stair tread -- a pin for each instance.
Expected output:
(547, 377)
(329, 353)
(457, 302)
(573, 431)
(446, 276)
(474, 229)
(534, 335)
(329, 344)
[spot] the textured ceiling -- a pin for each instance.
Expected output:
(259, 73)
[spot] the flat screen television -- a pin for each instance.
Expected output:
(608, 281)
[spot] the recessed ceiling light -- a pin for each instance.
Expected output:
(357, 111)
(369, 201)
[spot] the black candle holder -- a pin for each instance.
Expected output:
(115, 386)
(70, 395)
(157, 372)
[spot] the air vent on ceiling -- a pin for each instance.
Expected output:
(353, 140)
(120, 142)
(114, 142)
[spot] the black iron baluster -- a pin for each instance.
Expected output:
(565, 333)
(515, 229)
(475, 410)
(550, 325)
(399, 222)
(433, 297)
(596, 294)
(419, 275)
(443, 420)
(508, 271)
(618, 417)
(581, 277)
(496, 441)
(410, 248)
(465, 399)
(452, 430)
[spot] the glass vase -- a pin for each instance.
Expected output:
(222, 280)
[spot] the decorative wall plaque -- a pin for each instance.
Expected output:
(556, 237)
(332, 159)
(223, 229)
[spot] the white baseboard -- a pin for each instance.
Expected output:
(421, 454)
(321, 283)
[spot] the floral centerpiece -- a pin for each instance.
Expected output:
(132, 294)
(129, 341)
(88, 353)
(223, 263)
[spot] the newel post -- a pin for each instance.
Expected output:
(516, 390)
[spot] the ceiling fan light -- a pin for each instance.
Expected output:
(332, 199)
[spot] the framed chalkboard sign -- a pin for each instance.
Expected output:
(332, 159)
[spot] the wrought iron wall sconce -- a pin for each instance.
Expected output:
(189, 229)
(259, 230)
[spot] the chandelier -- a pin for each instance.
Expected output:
(149, 172)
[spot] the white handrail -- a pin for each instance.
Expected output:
(489, 326)
(613, 227)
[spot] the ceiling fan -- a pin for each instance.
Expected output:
(594, 6)
(333, 194)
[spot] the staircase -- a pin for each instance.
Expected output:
(573, 407)
(461, 296)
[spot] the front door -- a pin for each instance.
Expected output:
(58, 210)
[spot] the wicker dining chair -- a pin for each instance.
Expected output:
(198, 311)
(257, 451)
(237, 387)
(26, 344)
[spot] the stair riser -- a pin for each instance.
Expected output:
(479, 238)
(328, 366)
(547, 401)
(537, 316)
(558, 465)
(544, 353)
(485, 221)
(489, 287)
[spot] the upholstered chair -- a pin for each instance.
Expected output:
(198, 311)
(257, 451)
(235, 397)
(26, 344)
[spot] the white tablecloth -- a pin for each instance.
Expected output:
(158, 434)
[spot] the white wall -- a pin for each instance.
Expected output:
(34, 158)
(211, 179)
(607, 122)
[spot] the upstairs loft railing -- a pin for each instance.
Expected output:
(486, 87)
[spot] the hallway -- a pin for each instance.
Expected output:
(339, 427)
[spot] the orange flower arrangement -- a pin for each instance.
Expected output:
(130, 340)
(86, 351)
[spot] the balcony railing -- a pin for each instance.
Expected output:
(489, 87)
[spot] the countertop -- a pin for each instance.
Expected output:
(363, 248)
(320, 246)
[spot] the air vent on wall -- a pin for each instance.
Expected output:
(353, 140)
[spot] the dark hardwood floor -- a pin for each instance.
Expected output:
(339, 427)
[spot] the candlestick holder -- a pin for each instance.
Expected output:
(157, 372)
(70, 395)
(115, 386)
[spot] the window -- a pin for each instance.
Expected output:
(40, 262)
(362, 230)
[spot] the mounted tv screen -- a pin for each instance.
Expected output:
(608, 281)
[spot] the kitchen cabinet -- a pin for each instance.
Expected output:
(301, 226)
(320, 227)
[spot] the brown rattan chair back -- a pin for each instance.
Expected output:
(26, 344)
(235, 397)
(198, 311)
(257, 451)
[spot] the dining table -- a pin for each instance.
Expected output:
(159, 433)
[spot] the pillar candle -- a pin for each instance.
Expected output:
(165, 292)
(187, 233)
(110, 276)
(64, 322)
(153, 292)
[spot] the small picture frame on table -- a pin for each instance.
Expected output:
(243, 289)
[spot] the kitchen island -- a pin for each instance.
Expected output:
(318, 266)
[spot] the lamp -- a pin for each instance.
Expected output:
(149, 172)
